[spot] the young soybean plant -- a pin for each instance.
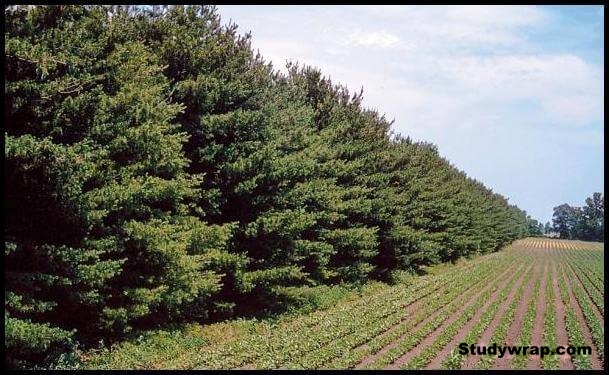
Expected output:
(549, 334)
(500, 333)
(592, 321)
(524, 339)
(450, 331)
(576, 339)
(445, 302)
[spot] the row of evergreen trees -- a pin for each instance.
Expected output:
(158, 170)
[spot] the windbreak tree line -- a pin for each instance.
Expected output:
(159, 171)
(585, 223)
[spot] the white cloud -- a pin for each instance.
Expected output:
(375, 39)
(496, 15)
(435, 54)
(478, 81)
(566, 89)
(458, 26)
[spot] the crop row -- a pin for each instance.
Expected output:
(592, 262)
(341, 353)
(425, 356)
(363, 330)
(594, 268)
(414, 338)
(264, 346)
(441, 304)
(404, 343)
(595, 295)
(595, 326)
(591, 271)
(501, 330)
(455, 360)
(580, 360)
(277, 345)
(549, 326)
(526, 332)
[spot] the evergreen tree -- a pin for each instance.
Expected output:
(99, 235)
(158, 171)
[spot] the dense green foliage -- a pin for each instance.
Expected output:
(384, 326)
(158, 171)
(585, 223)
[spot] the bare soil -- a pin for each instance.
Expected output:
(504, 363)
(436, 333)
(595, 360)
(371, 358)
(537, 335)
(562, 337)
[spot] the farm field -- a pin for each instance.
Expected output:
(535, 292)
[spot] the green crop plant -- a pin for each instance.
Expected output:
(501, 330)
(549, 361)
(414, 338)
(451, 330)
(576, 339)
(592, 321)
(526, 332)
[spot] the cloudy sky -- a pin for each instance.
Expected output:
(512, 95)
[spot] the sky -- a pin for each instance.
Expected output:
(511, 95)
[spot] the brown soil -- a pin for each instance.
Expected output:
(594, 358)
(504, 362)
(562, 338)
(371, 358)
(460, 336)
(537, 335)
(438, 331)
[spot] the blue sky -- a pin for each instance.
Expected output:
(512, 95)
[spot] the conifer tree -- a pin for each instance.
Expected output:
(158, 170)
(98, 201)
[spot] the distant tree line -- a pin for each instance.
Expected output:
(585, 223)
(535, 228)
(159, 171)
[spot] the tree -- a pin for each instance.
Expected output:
(566, 221)
(547, 228)
(584, 223)
(594, 218)
(98, 201)
(534, 228)
(159, 171)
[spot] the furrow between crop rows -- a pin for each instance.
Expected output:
(470, 316)
(575, 325)
(369, 351)
(440, 331)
